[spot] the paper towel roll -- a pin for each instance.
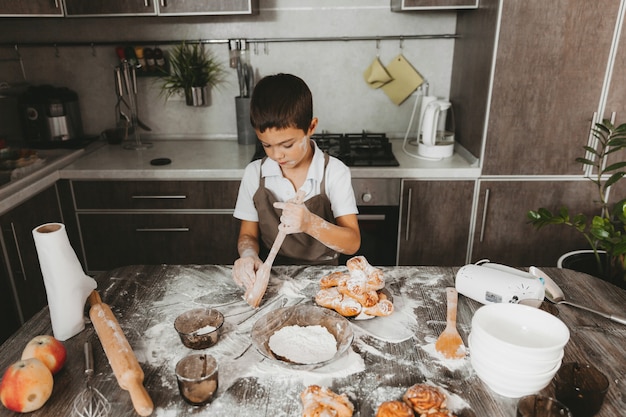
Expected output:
(67, 286)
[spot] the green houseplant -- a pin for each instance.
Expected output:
(605, 232)
(192, 70)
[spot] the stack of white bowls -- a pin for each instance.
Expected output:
(516, 349)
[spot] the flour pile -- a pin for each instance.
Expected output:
(304, 344)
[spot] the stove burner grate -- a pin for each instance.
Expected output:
(353, 149)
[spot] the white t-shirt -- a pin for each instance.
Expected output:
(338, 185)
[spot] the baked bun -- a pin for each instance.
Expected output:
(333, 279)
(440, 413)
(394, 409)
(424, 398)
(382, 308)
(322, 402)
(332, 298)
(355, 291)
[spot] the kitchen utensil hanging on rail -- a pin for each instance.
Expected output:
(240, 60)
(126, 88)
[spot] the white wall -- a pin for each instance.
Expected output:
(342, 100)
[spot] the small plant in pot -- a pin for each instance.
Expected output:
(194, 71)
(606, 232)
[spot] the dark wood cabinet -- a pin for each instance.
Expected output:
(8, 308)
(32, 8)
(110, 7)
(503, 233)
(435, 222)
(408, 5)
(21, 258)
(206, 7)
(81, 8)
(156, 222)
(549, 77)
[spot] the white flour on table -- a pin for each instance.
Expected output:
(160, 346)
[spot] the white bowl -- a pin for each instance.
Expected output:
(512, 385)
(511, 360)
(521, 330)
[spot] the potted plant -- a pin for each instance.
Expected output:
(606, 232)
(194, 71)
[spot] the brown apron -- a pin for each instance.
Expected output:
(298, 248)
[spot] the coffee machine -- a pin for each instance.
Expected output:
(50, 114)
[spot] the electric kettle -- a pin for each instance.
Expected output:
(433, 141)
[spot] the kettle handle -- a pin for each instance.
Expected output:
(431, 121)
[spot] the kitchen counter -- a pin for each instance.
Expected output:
(226, 159)
(27, 181)
(388, 354)
(194, 160)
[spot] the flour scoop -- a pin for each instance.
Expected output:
(255, 293)
(555, 295)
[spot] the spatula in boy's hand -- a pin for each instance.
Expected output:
(449, 343)
(255, 293)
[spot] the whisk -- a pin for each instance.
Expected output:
(90, 402)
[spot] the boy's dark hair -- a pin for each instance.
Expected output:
(281, 101)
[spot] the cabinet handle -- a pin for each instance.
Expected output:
(408, 215)
(159, 197)
(371, 217)
(163, 3)
(56, 4)
(146, 3)
(162, 229)
(482, 226)
(19, 252)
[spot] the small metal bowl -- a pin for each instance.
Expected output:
(199, 328)
(301, 315)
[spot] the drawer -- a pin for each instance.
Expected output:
(112, 240)
(154, 195)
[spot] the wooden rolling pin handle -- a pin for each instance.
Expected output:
(139, 396)
(127, 370)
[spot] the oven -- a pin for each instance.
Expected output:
(378, 199)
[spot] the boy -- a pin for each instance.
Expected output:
(281, 112)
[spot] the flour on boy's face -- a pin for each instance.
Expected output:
(288, 147)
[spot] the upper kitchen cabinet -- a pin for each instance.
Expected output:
(408, 5)
(31, 8)
(549, 79)
(80, 8)
(207, 7)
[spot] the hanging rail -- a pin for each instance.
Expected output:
(226, 41)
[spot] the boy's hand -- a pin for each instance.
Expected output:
(244, 269)
(295, 217)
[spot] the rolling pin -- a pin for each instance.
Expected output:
(127, 371)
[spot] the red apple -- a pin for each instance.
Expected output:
(26, 386)
(48, 350)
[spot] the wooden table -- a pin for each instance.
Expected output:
(147, 299)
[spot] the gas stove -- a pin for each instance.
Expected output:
(353, 149)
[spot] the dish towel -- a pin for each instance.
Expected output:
(67, 286)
